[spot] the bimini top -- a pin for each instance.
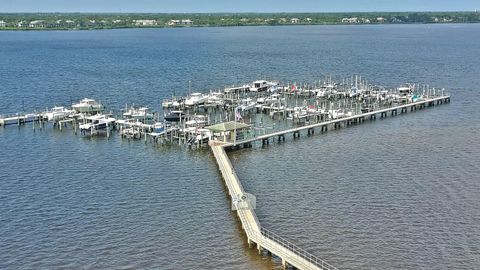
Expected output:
(227, 126)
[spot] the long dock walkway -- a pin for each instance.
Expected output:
(358, 118)
(289, 253)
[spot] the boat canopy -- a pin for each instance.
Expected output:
(227, 126)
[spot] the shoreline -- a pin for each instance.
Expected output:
(27, 29)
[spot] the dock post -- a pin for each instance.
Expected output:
(260, 249)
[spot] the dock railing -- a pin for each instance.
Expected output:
(299, 252)
(263, 236)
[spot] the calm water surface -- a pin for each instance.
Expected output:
(401, 193)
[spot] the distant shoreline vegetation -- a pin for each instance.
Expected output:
(88, 21)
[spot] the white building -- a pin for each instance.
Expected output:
(365, 20)
(308, 20)
(381, 19)
(145, 22)
(37, 24)
(295, 20)
(350, 20)
(3, 24)
(180, 22)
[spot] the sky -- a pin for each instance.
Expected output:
(205, 6)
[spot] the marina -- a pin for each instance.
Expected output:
(240, 117)
(263, 109)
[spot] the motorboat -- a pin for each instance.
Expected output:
(195, 99)
(196, 121)
(298, 113)
(57, 113)
(97, 122)
(247, 104)
(88, 105)
(215, 99)
(259, 86)
(170, 103)
(174, 116)
(141, 114)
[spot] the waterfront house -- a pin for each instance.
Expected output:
(295, 20)
(350, 20)
(3, 24)
(180, 22)
(381, 19)
(37, 24)
(22, 24)
(145, 22)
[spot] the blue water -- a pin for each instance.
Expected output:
(401, 193)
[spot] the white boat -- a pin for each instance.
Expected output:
(247, 104)
(215, 98)
(167, 103)
(298, 113)
(170, 103)
(88, 105)
(158, 129)
(9, 120)
(321, 93)
(97, 122)
(354, 92)
(262, 85)
(195, 99)
(57, 113)
(336, 114)
(196, 121)
(277, 106)
(273, 98)
(141, 114)
(405, 93)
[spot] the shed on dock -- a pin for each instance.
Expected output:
(235, 130)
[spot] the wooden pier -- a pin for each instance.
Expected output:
(263, 239)
(346, 121)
